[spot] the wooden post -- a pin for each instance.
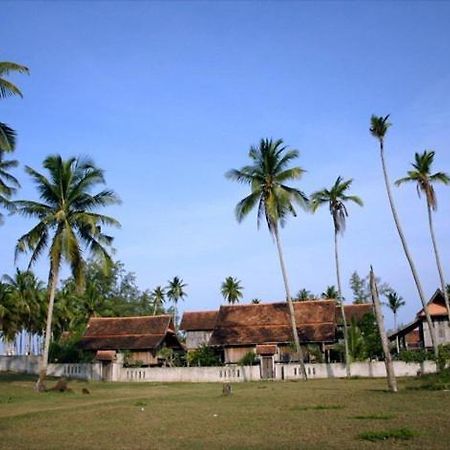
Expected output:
(392, 382)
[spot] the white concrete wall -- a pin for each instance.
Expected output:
(30, 364)
(375, 369)
(190, 374)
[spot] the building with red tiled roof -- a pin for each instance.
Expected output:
(416, 334)
(198, 326)
(142, 336)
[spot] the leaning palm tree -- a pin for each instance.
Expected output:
(421, 175)
(7, 89)
(176, 292)
(336, 198)
(378, 129)
(267, 175)
(158, 296)
(66, 221)
(231, 290)
(8, 183)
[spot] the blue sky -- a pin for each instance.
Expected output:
(166, 97)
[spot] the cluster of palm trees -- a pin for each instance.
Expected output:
(174, 292)
(268, 174)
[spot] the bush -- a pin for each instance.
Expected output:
(204, 356)
(444, 356)
(249, 359)
(417, 356)
(67, 351)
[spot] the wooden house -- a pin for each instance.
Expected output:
(141, 337)
(198, 326)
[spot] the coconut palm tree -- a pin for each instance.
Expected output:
(231, 290)
(378, 129)
(158, 296)
(330, 292)
(26, 292)
(175, 292)
(274, 199)
(336, 198)
(8, 183)
(66, 221)
(10, 314)
(303, 295)
(421, 175)
(7, 89)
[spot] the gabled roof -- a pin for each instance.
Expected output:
(128, 333)
(198, 320)
(436, 306)
(354, 311)
(267, 323)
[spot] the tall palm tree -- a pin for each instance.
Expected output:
(304, 295)
(266, 175)
(66, 222)
(330, 292)
(336, 198)
(7, 89)
(421, 175)
(8, 183)
(231, 290)
(378, 129)
(158, 296)
(10, 314)
(176, 292)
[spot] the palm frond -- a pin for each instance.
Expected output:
(7, 138)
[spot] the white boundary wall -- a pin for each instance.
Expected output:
(235, 374)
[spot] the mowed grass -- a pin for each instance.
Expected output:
(331, 414)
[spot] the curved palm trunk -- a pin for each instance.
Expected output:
(291, 306)
(406, 250)
(392, 382)
(341, 303)
(438, 261)
(53, 281)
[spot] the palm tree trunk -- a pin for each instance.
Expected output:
(397, 343)
(438, 261)
(341, 304)
(407, 254)
(30, 337)
(392, 382)
(52, 281)
(291, 306)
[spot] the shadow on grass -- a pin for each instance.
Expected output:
(316, 408)
(374, 417)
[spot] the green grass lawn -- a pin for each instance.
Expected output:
(319, 414)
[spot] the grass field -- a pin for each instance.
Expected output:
(321, 414)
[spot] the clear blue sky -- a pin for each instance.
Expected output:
(168, 96)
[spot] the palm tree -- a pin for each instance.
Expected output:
(394, 303)
(267, 175)
(26, 291)
(336, 198)
(421, 175)
(330, 292)
(7, 89)
(8, 183)
(304, 295)
(66, 221)
(158, 296)
(10, 314)
(378, 129)
(175, 292)
(231, 290)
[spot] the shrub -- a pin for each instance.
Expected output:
(204, 356)
(249, 359)
(444, 356)
(67, 351)
(417, 356)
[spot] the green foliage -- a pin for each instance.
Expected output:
(171, 358)
(403, 434)
(361, 289)
(416, 356)
(249, 359)
(304, 295)
(68, 351)
(439, 381)
(8, 183)
(231, 290)
(443, 357)
(204, 356)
